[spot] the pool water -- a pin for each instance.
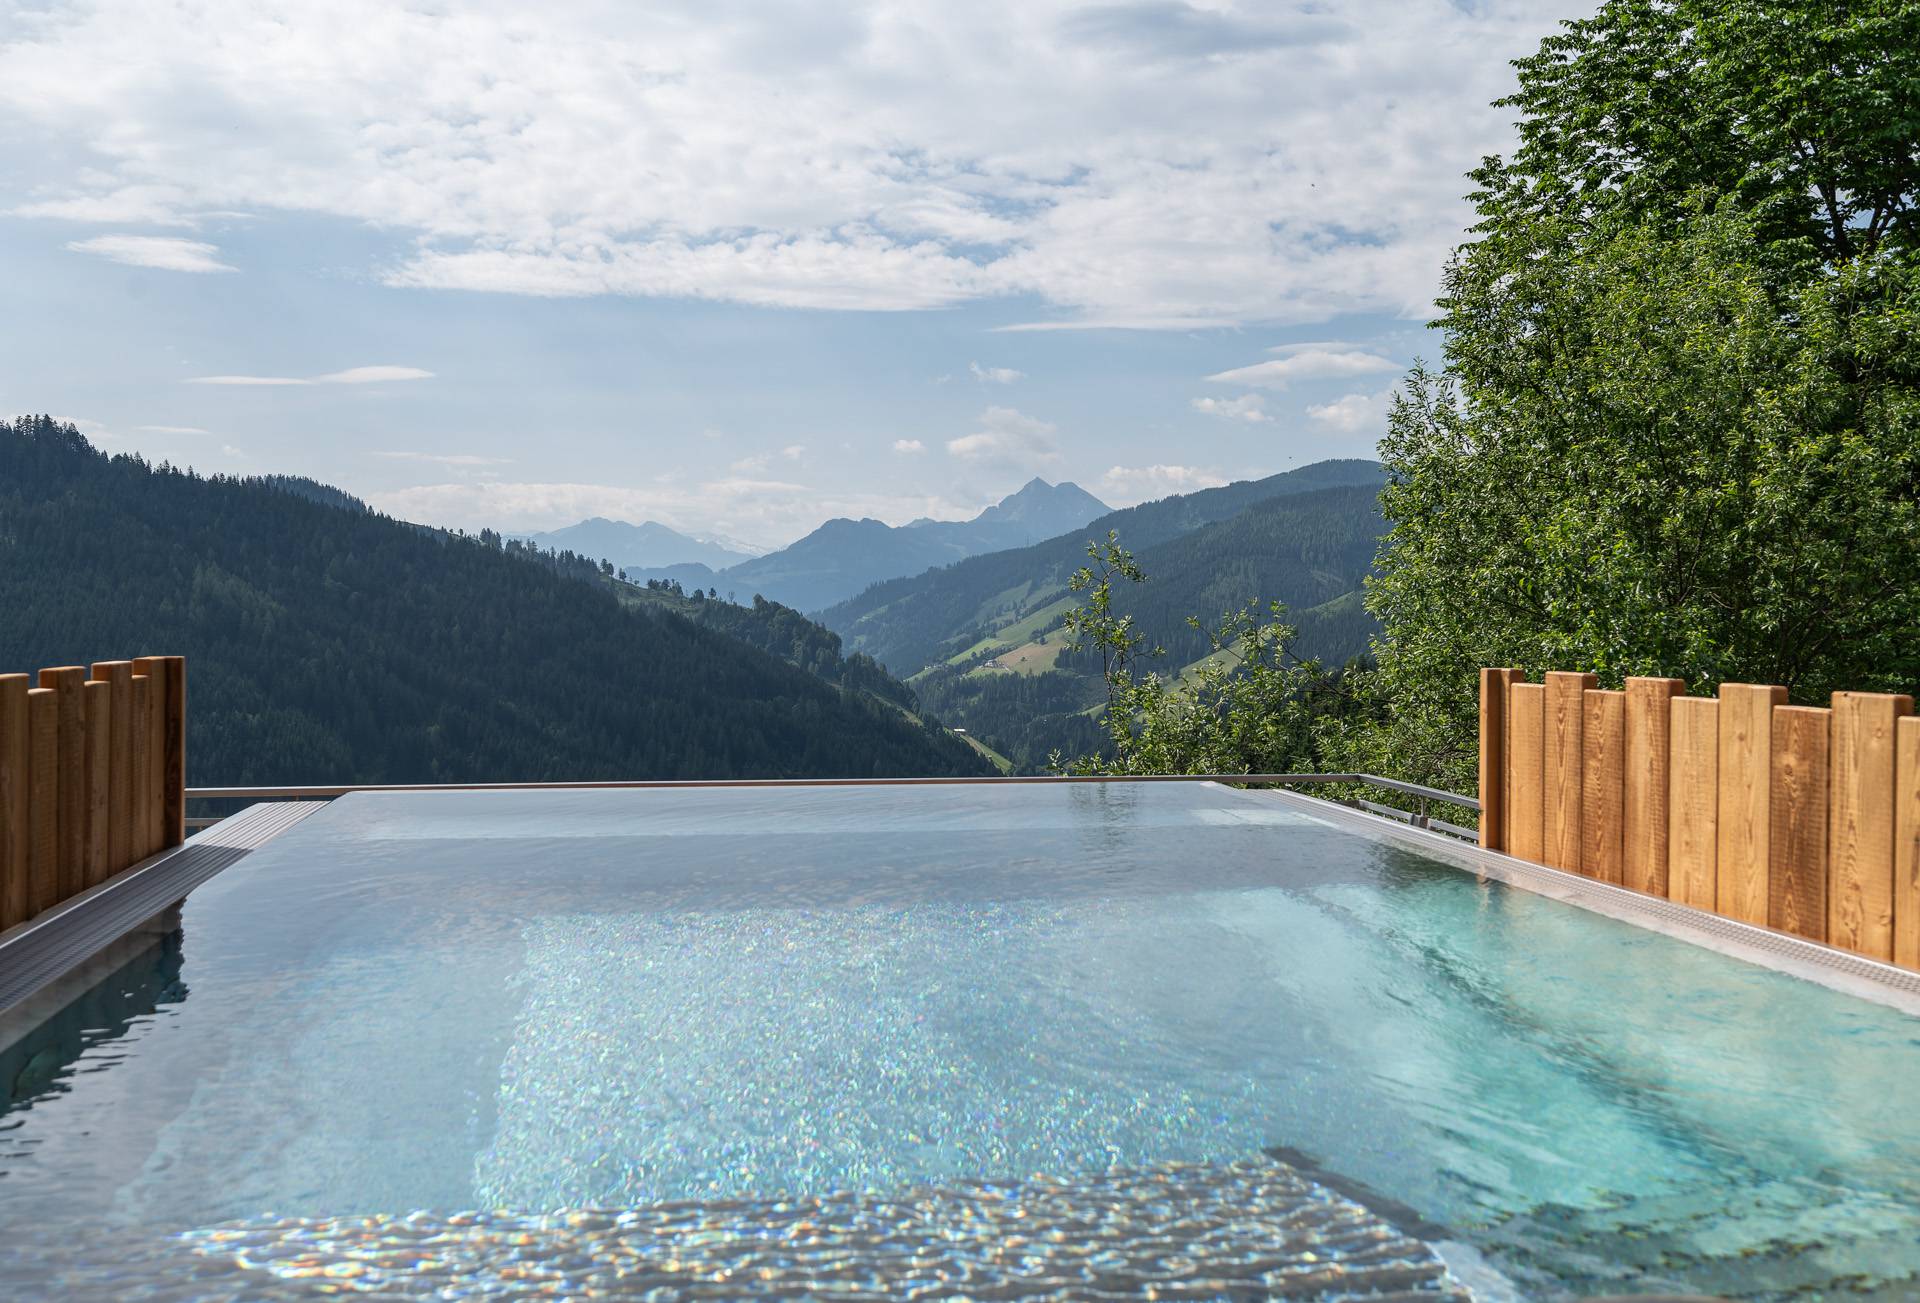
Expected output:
(731, 1000)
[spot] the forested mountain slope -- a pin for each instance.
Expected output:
(1023, 694)
(910, 623)
(329, 645)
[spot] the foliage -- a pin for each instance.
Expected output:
(338, 645)
(910, 623)
(1094, 627)
(1678, 428)
(1249, 707)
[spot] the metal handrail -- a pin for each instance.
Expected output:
(1418, 820)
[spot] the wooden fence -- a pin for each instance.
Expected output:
(92, 777)
(1801, 818)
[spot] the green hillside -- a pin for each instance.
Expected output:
(909, 624)
(1018, 689)
(330, 645)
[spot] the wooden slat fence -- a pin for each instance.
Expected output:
(1799, 818)
(92, 777)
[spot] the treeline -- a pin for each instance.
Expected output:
(784, 632)
(338, 645)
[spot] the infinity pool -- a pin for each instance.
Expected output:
(489, 1044)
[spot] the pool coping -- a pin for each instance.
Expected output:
(1794, 956)
(37, 954)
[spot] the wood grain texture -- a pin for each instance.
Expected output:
(14, 831)
(1493, 755)
(1906, 842)
(1860, 822)
(1648, 784)
(1603, 798)
(166, 747)
(1693, 801)
(175, 820)
(152, 830)
(98, 849)
(1526, 770)
(1745, 823)
(67, 683)
(43, 800)
(140, 814)
(119, 675)
(1797, 811)
(1566, 757)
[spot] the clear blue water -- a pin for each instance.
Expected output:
(545, 1001)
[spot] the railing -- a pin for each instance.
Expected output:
(1418, 817)
(91, 777)
(1804, 819)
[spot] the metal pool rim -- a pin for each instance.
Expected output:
(1810, 961)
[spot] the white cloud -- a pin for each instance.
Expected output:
(1127, 485)
(1355, 412)
(750, 465)
(165, 252)
(171, 429)
(359, 375)
(373, 375)
(1007, 437)
(1311, 363)
(1247, 407)
(229, 450)
(908, 445)
(1128, 165)
(794, 451)
(995, 375)
(446, 459)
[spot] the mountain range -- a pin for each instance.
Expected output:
(646, 546)
(842, 557)
(327, 643)
(981, 641)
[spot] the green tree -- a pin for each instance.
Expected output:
(1678, 426)
(1247, 707)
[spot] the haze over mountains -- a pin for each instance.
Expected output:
(843, 557)
(648, 545)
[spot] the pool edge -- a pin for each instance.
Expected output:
(1794, 956)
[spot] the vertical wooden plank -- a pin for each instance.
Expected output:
(1693, 801)
(1797, 843)
(66, 683)
(1648, 783)
(1745, 825)
(1566, 754)
(119, 676)
(99, 781)
(1526, 770)
(153, 797)
(43, 800)
(1860, 822)
(14, 831)
(1906, 842)
(174, 774)
(140, 817)
(1603, 796)
(1493, 756)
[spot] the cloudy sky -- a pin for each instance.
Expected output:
(735, 265)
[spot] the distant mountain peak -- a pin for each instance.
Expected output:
(1049, 508)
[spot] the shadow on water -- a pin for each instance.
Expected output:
(43, 1037)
